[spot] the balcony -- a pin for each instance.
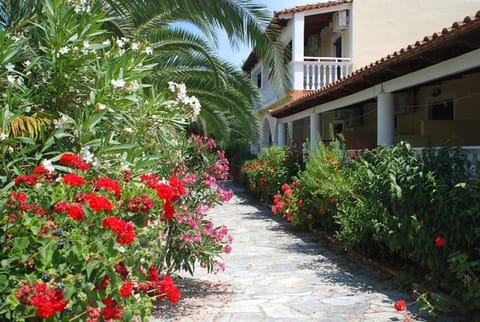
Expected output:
(319, 72)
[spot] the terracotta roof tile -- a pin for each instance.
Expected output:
(436, 41)
(311, 7)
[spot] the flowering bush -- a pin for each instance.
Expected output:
(392, 204)
(287, 204)
(265, 175)
(80, 245)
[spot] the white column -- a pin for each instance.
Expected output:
(281, 134)
(314, 129)
(290, 132)
(385, 119)
(298, 50)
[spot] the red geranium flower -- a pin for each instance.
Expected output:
(107, 183)
(74, 161)
(400, 305)
(169, 210)
(98, 203)
(111, 310)
(126, 289)
(124, 230)
(47, 301)
(28, 180)
(142, 203)
(73, 180)
(440, 241)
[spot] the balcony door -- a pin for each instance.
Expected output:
(337, 47)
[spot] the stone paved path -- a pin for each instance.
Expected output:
(274, 274)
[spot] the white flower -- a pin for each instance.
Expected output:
(128, 130)
(135, 46)
(47, 164)
(121, 249)
(118, 83)
(107, 42)
(120, 42)
(26, 63)
(3, 136)
(10, 67)
(149, 51)
(58, 123)
(28, 109)
(11, 79)
(86, 155)
(172, 86)
(63, 50)
(101, 106)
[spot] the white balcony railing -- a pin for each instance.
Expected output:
(322, 71)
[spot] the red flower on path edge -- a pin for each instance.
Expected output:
(440, 241)
(400, 305)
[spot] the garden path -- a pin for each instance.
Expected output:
(274, 274)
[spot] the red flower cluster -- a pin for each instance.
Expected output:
(111, 311)
(142, 203)
(282, 203)
(126, 289)
(121, 269)
(42, 172)
(27, 179)
(124, 229)
(74, 161)
(47, 301)
(72, 209)
(107, 183)
(95, 202)
(31, 179)
(170, 192)
(73, 180)
(161, 289)
(18, 201)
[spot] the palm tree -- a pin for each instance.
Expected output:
(225, 92)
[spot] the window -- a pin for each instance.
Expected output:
(441, 110)
(259, 80)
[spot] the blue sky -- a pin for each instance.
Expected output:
(237, 57)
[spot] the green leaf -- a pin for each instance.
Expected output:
(46, 252)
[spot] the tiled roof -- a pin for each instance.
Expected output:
(308, 7)
(459, 39)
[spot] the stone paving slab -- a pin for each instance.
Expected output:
(274, 274)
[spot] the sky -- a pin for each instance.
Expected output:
(237, 57)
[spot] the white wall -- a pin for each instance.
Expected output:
(381, 27)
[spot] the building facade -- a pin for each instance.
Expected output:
(346, 75)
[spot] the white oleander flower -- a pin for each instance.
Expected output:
(47, 164)
(11, 79)
(64, 50)
(86, 155)
(119, 83)
(10, 67)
